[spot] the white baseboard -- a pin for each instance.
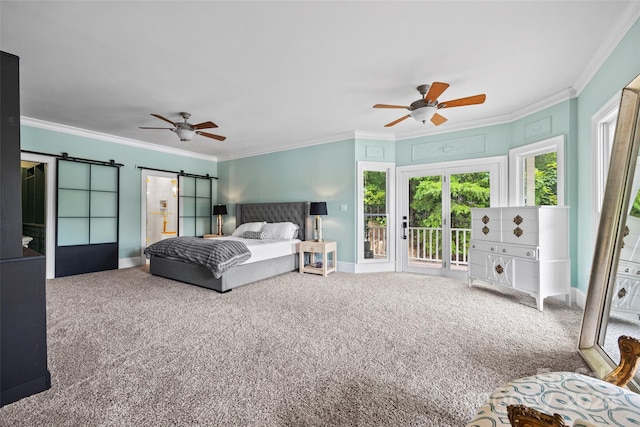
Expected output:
(130, 262)
(375, 267)
(579, 297)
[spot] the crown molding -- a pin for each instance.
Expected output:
(491, 121)
(70, 130)
(318, 141)
(618, 31)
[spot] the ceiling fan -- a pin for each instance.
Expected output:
(426, 108)
(186, 130)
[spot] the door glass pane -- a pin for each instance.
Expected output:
(468, 190)
(103, 230)
(73, 175)
(540, 180)
(73, 203)
(73, 231)
(104, 204)
(424, 224)
(104, 178)
(375, 215)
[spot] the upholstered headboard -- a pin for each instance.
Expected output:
(296, 212)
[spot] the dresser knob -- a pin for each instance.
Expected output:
(492, 249)
(504, 251)
(626, 270)
(528, 253)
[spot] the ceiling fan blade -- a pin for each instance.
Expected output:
(470, 100)
(390, 106)
(210, 135)
(205, 125)
(144, 127)
(435, 91)
(437, 119)
(395, 122)
(163, 118)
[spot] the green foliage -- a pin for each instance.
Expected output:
(375, 192)
(468, 190)
(546, 185)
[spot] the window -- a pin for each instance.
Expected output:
(537, 173)
(375, 235)
(603, 126)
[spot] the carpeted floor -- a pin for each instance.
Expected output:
(393, 349)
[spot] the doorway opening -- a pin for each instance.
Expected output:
(161, 208)
(38, 206)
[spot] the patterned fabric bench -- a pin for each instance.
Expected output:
(567, 399)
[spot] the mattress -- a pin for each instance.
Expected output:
(263, 249)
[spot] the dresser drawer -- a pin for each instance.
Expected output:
(484, 246)
(500, 269)
(519, 215)
(489, 231)
(527, 275)
(478, 268)
(628, 269)
(518, 251)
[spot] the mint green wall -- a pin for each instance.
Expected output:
(617, 71)
(497, 140)
(316, 173)
(46, 141)
(327, 172)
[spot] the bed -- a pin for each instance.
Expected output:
(251, 270)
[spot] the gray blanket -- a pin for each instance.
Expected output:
(217, 255)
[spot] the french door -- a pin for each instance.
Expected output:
(435, 216)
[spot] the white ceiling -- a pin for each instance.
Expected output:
(276, 75)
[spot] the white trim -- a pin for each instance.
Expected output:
(379, 267)
(501, 162)
(496, 165)
(390, 169)
(516, 167)
(601, 154)
(130, 262)
(579, 297)
(70, 130)
(547, 102)
(354, 134)
(144, 173)
(617, 32)
(50, 202)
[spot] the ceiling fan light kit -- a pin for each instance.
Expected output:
(426, 108)
(423, 114)
(186, 130)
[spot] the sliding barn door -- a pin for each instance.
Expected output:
(87, 217)
(194, 208)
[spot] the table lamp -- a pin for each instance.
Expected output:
(317, 209)
(219, 210)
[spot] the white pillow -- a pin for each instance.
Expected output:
(280, 230)
(248, 226)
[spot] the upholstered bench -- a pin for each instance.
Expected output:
(567, 398)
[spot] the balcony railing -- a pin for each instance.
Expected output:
(425, 244)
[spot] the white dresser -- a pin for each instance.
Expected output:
(626, 295)
(524, 248)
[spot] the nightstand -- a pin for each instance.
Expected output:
(325, 248)
(212, 236)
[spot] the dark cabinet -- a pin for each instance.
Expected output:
(23, 339)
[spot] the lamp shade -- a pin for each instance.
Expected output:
(220, 209)
(185, 134)
(423, 114)
(318, 208)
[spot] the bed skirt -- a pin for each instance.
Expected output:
(232, 278)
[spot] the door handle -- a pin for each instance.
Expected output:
(404, 227)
